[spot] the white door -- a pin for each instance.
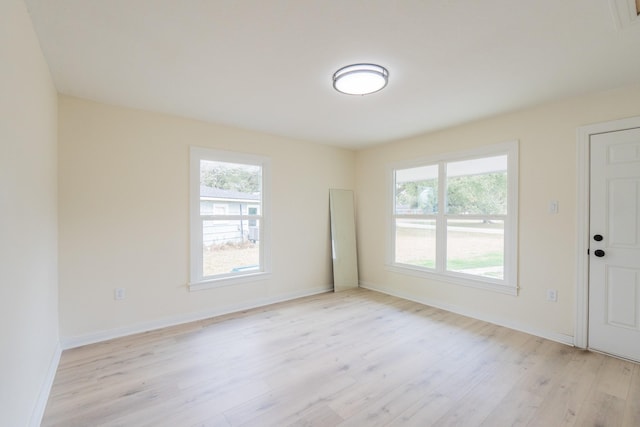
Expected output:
(614, 254)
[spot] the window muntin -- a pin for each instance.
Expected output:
(473, 239)
(227, 217)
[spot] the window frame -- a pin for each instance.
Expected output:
(509, 283)
(196, 280)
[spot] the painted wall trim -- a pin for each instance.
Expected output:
(553, 336)
(80, 340)
(45, 390)
(581, 330)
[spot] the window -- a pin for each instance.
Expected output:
(455, 217)
(228, 217)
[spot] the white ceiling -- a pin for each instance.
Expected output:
(266, 65)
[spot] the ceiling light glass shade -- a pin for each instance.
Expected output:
(360, 79)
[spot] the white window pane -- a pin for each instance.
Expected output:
(415, 242)
(476, 247)
(454, 215)
(233, 245)
(227, 217)
(230, 247)
(416, 190)
(477, 187)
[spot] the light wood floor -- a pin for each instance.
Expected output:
(357, 358)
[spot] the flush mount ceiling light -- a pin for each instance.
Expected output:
(360, 79)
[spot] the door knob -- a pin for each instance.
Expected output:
(597, 237)
(599, 253)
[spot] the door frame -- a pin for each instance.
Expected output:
(581, 330)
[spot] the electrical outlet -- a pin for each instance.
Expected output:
(554, 207)
(552, 295)
(118, 293)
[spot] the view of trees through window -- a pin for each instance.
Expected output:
(484, 194)
(475, 195)
(467, 194)
(230, 176)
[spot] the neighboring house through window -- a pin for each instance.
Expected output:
(228, 217)
(454, 217)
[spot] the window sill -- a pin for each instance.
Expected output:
(228, 281)
(457, 279)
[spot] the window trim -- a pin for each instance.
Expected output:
(508, 285)
(196, 280)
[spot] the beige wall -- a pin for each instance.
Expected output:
(547, 243)
(28, 221)
(124, 218)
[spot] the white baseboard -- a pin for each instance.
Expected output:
(92, 338)
(77, 341)
(553, 336)
(45, 390)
